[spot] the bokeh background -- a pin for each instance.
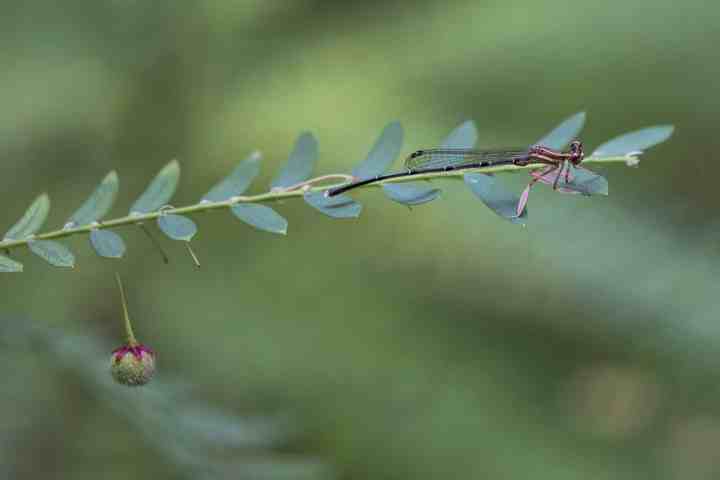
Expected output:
(437, 342)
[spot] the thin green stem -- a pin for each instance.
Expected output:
(132, 341)
(324, 178)
(192, 254)
(272, 196)
(155, 242)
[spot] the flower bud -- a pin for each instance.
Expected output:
(132, 365)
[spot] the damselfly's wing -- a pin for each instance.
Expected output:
(459, 157)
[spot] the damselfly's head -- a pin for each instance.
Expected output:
(417, 153)
(576, 152)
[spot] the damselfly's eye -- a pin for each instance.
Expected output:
(416, 154)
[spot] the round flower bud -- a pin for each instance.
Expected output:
(132, 365)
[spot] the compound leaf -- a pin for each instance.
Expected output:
(496, 197)
(32, 220)
(564, 133)
(383, 153)
(339, 206)
(160, 190)
(107, 243)
(237, 182)
(634, 142)
(261, 217)
(54, 253)
(410, 193)
(300, 165)
(177, 227)
(99, 203)
(10, 265)
(464, 136)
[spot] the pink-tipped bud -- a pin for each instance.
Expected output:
(132, 365)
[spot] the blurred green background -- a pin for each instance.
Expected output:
(437, 342)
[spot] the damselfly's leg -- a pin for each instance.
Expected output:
(567, 175)
(526, 193)
(559, 174)
(548, 170)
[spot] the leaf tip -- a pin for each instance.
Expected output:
(43, 199)
(172, 168)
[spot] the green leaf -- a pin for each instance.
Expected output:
(107, 243)
(300, 165)
(260, 217)
(339, 206)
(503, 202)
(383, 153)
(411, 193)
(10, 265)
(177, 227)
(32, 220)
(634, 142)
(464, 136)
(237, 182)
(564, 133)
(160, 190)
(99, 203)
(53, 252)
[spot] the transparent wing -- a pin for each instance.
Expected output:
(457, 157)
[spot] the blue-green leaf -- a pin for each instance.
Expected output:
(32, 220)
(177, 227)
(53, 252)
(383, 153)
(237, 182)
(160, 190)
(634, 142)
(585, 182)
(503, 202)
(410, 193)
(300, 165)
(10, 265)
(107, 243)
(464, 136)
(260, 217)
(339, 206)
(99, 203)
(564, 133)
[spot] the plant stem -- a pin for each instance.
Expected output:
(271, 196)
(155, 243)
(132, 341)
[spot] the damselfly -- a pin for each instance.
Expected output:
(435, 160)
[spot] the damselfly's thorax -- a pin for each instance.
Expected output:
(543, 154)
